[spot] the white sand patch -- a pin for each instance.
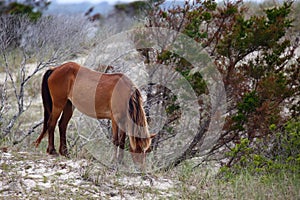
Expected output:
(24, 176)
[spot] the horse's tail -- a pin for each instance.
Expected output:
(47, 103)
(139, 136)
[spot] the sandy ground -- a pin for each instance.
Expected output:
(29, 175)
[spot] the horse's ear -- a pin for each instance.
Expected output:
(152, 135)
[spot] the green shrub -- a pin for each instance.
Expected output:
(281, 152)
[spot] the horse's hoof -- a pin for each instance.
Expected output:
(55, 154)
(65, 154)
(52, 152)
(148, 177)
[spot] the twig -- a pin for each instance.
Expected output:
(29, 132)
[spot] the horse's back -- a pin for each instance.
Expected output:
(95, 94)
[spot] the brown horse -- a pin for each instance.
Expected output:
(98, 95)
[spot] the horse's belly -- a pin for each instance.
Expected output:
(90, 110)
(85, 102)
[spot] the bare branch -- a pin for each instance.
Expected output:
(26, 49)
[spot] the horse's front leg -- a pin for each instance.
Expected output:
(122, 137)
(115, 140)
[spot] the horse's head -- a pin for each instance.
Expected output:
(140, 151)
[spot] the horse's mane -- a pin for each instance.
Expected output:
(138, 127)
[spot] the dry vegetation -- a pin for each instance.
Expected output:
(34, 175)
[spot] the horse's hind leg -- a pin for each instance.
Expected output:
(45, 128)
(47, 112)
(63, 124)
(56, 111)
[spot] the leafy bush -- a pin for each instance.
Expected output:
(280, 152)
(256, 59)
